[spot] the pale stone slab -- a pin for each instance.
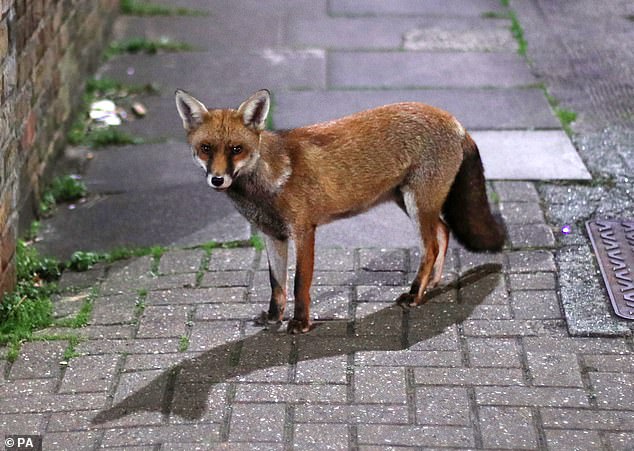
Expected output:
(530, 155)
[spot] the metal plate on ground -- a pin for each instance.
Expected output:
(613, 243)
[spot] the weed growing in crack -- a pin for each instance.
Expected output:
(66, 188)
(29, 306)
(144, 8)
(149, 46)
(183, 343)
(82, 317)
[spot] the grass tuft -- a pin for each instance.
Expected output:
(183, 343)
(62, 189)
(85, 260)
(143, 8)
(110, 88)
(516, 29)
(139, 306)
(70, 351)
(29, 306)
(257, 242)
(110, 136)
(518, 34)
(143, 45)
(566, 117)
(82, 317)
(494, 15)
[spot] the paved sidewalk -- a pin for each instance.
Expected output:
(172, 359)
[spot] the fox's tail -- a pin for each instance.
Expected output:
(466, 209)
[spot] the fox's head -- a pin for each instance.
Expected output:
(225, 143)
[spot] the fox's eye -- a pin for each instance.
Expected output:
(235, 150)
(205, 148)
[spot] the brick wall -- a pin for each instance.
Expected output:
(47, 49)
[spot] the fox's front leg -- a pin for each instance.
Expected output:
(277, 251)
(305, 248)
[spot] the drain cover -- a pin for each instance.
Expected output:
(613, 243)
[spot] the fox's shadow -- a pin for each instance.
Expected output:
(390, 329)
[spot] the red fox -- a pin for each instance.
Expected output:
(289, 182)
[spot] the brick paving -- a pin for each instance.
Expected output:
(178, 362)
(172, 358)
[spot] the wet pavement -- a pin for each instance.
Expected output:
(516, 350)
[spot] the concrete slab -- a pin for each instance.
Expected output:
(350, 33)
(189, 214)
(384, 226)
(476, 108)
(142, 168)
(212, 32)
(208, 72)
(162, 120)
(143, 195)
(427, 69)
(255, 9)
(530, 155)
(412, 33)
(414, 7)
(440, 37)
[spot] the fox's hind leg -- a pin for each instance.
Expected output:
(430, 228)
(442, 235)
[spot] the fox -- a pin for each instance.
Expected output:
(289, 182)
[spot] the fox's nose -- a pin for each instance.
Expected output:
(217, 181)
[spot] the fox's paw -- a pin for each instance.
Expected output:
(265, 321)
(296, 326)
(407, 300)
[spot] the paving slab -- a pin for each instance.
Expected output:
(162, 121)
(476, 108)
(427, 69)
(460, 37)
(255, 9)
(585, 301)
(411, 33)
(384, 226)
(183, 215)
(211, 32)
(350, 33)
(143, 167)
(221, 70)
(414, 7)
(530, 155)
(148, 195)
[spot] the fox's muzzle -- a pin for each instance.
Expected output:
(219, 182)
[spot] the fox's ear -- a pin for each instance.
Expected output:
(191, 110)
(255, 109)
